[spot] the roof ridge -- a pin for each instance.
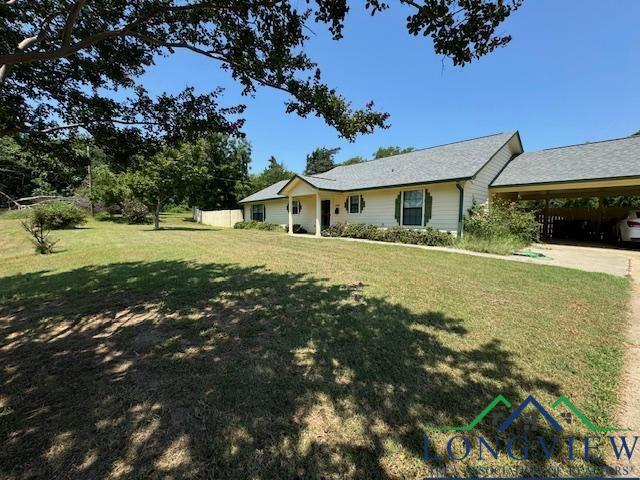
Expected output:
(422, 149)
(321, 178)
(630, 137)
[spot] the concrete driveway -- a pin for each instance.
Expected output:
(615, 261)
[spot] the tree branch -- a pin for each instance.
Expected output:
(71, 21)
(20, 56)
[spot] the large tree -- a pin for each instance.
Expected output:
(320, 160)
(274, 172)
(61, 60)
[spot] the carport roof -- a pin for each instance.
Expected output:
(609, 159)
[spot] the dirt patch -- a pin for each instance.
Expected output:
(629, 411)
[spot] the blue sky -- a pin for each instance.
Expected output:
(571, 74)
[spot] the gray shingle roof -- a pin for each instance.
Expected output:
(268, 193)
(459, 160)
(589, 161)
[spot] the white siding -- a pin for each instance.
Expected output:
(275, 211)
(380, 207)
(477, 190)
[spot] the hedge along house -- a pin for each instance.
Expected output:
(433, 187)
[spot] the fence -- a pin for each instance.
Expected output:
(217, 218)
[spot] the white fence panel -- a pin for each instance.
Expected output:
(217, 218)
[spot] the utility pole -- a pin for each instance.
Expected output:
(90, 181)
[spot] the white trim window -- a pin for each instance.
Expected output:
(354, 203)
(295, 207)
(412, 203)
(257, 212)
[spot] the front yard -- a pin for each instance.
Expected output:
(192, 352)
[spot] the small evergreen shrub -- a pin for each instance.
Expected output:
(252, 224)
(135, 212)
(58, 215)
(39, 231)
(426, 236)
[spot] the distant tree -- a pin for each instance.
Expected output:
(168, 175)
(637, 133)
(320, 160)
(107, 188)
(353, 160)
(273, 173)
(389, 151)
(225, 180)
(43, 166)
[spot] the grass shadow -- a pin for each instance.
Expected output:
(179, 369)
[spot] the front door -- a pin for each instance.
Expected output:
(325, 213)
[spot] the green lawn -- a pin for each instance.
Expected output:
(194, 352)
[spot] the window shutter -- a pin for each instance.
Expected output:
(299, 206)
(346, 204)
(361, 203)
(287, 206)
(398, 200)
(264, 213)
(428, 202)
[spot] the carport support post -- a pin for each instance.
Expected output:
(545, 224)
(318, 214)
(290, 215)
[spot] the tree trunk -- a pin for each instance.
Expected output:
(156, 215)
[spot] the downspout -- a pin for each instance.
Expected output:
(460, 209)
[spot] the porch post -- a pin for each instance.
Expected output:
(318, 214)
(290, 215)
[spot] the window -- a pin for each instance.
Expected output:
(295, 207)
(354, 204)
(257, 212)
(412, 207)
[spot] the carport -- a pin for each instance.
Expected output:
(592, 170)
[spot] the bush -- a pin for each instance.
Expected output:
(181, 208)
(135, 213)
(498, 245)
(502, 220)
(426, 236)
(58, 215)
(273, 227)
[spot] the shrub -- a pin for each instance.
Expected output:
(501, 220)
(181, 208)
(498, 245)
(58, 215)
(135, 212)
(426, 236)
(274, 227)
(39, 231)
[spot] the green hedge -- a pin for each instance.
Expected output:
(58, 215)
(273, 227)
(425, 236)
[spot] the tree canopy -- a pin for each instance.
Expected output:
(273, 173)
(61, 60)
(353, 160)
(320, 160)
(389, 151)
